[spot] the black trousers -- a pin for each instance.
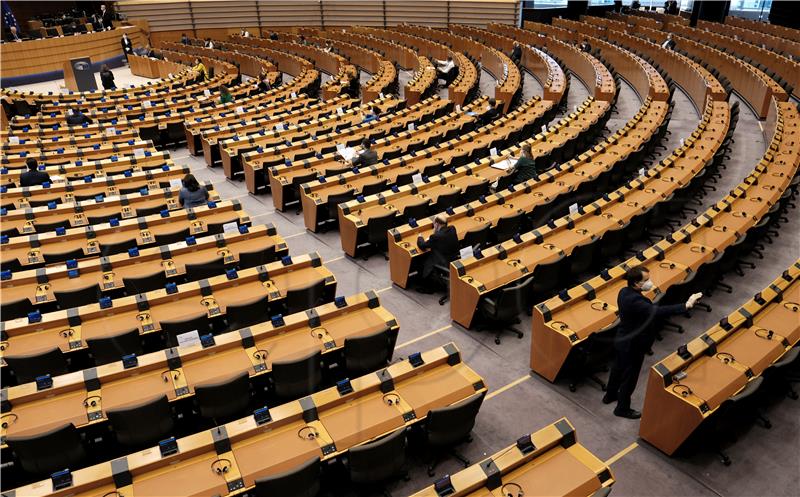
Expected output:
(624, 375)
(449, 76)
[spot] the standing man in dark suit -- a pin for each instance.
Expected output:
(127, 46)
(33, 177)
(635, 335)
(443, 244)
(516, 53)
(106, 17)
(669, 43)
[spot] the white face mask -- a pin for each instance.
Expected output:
(647, 286)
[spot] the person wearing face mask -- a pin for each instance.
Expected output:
(443, 244)
(635, 334)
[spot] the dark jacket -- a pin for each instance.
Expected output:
(443, 245)
(78, 119)
(637, 314)
(107, 78)
(490, 115)
(126, 47)
(33, 178)
(516, 53)
(366, 158)
(108, 19)
(668, 44)
(526, 169)
(586, 47)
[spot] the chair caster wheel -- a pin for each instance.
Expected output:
(497, 341)
(726, 461)
(572, 388)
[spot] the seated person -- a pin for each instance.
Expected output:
(263, 82)
(525, 168)
(516, 53)
(669, 43)
(244, 33)
(75, 118)
(192, 194)
(200, 69)
(371, 115)
(225, 95)
(33, 177)
(585, 45)
(367, 157)
(12, 34)
(492, 112)
(185, 39)
(446, 70)
(443, 244)
(209, 43)
(273, 36)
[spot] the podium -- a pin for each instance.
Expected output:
(78, 74)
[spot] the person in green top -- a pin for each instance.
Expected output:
(525, 168)
(225, 95)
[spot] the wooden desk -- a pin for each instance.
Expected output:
(721, 362)
(148, 67)
(252, 350)
(557, 465)
(258, 451)
(69, 329)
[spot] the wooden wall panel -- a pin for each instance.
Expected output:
(352, 12)
(431, 13)
(286, 13)
(481, 13)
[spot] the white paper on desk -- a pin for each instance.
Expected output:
(239, 110)
(417, 179)
(493, 152)
(380, 95)
(465, 253)
(503, 165)
(458, 108)
(138, 153)
(544, 128)
(348, 153)
(176, 184)
(339, 111)
(188, 339)
(411, 126)
(573, 209)
(56, 177)
(111, 131)
(339, 147)
(13, 140)
(146, 104)
(642, 171)
(681, 142)
(231, 227)
(473, 114)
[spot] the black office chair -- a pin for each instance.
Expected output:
(79, 297)
(331, 213)
(46, 453)
(151, 211)
(216, 228)
(734, 411)
(449, 426)
(473, 192)
(175, 236)
(27, 367)
(547, 278)
(417, 211)
(302, 481)
(63, 256)
(143, 424)
(224, 400)
(107, 249)
(172, 329)
(373, 188)
(501, 310)
(11, 232)
(300, 299)
(248, 313)
(379, 461)
(97, 220)
(44, 202)
(507, 226)
(145, 283)
(132, 190)
(581, 259)
(376, 233)
(257, 258)
(204, 270)
(369, 353)
(447, 200)
(111, 349)
(16, 309)
(297, 378)
(478, 237)
(48, 227)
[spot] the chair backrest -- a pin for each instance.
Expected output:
(257, 258)
(117, 248)
(63, 256)
(507, 226)
(150, 211)
(111, 349)
(378, 226)
(145, 283)
(16, 309)
(473, 192)
(300, 299)
(225, 399)
(297, 378)
(95, 220)
(49, 452)
(380, 460)
(547, 277)
(172, 329)
(175, 236)
(248, 313)
(368, 353)
(42, 203)
(48, 227)
(581, 258)
(448, 200)
(417, 211)
(26, 368)
(373, 188)
(302, 481)
(81, 296)
(143, 424)
(203, 270)
(478, 236)
(449, 425)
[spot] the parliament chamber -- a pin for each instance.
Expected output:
(441, 208)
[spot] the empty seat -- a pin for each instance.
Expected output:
(145, 283)
(16, 309)
(78, 297)
(204, 270)
(112, 348)
(48, 227)
(151, 211)
(378, 461)
(369, 353)
(27, 367)
(223, 400)
(46, 453)
(54, 258)
(449, 426)
(502, 308)
(302, 481)
(306, 297)
(257, 258)
(298, 378)
(175, 236)
(172, 329)
(248, 313)
(107, 249)
(143, 424)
